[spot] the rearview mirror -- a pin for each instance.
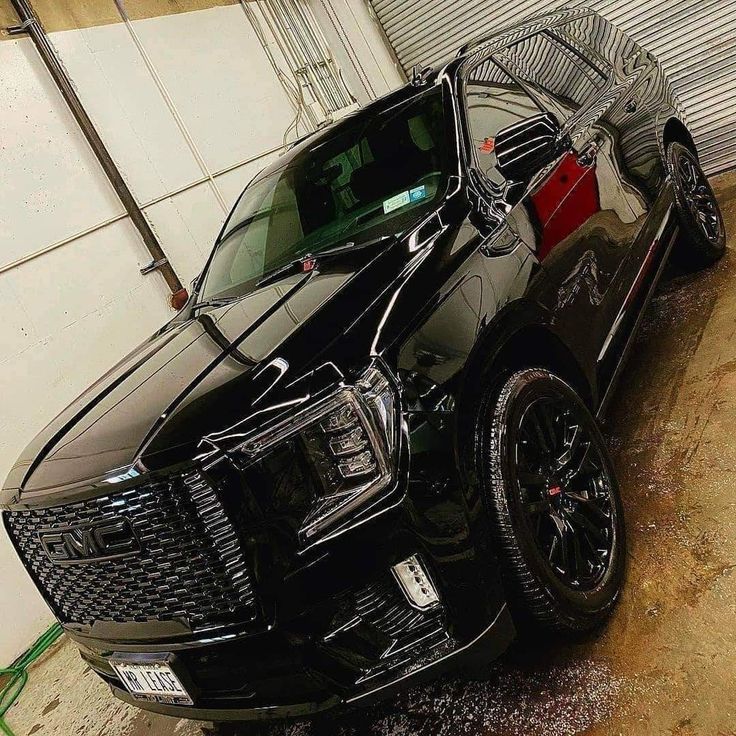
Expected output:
(523, 149)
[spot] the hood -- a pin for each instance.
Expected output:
(195, 377)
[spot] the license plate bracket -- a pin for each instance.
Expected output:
(153, 677)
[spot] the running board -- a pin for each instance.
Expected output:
(603, 407)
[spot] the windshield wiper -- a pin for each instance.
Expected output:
(280, 271)
(221, 302)
(276, 273)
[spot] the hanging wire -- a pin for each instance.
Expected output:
(292, 90)
(313, 79)
(17, 673)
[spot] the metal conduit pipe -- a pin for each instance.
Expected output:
(31, 24)
(302, 106)
(278, 34)
(283, 11)
(326, 62)
(293, 94)
(312, 52)
(301, 42)
(299, 62)
(306, 50)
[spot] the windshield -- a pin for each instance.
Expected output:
(374, 177)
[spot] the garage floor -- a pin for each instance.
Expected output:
(667, 662)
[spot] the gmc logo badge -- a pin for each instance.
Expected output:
(90, 542)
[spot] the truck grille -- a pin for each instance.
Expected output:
(188, 563)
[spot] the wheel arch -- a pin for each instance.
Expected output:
(531, 344)
(675, 131)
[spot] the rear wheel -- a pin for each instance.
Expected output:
(703, 233)
(554, 505)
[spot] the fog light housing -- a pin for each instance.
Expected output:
(416, 584)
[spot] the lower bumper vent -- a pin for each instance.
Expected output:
(379, 632)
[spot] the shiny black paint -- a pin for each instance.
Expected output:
(472, 291)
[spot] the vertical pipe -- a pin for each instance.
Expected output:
(310, 58)
(276, 33)
(326, 62)
(51, 60)
(319, 54)
(299, 62)
(286, 83)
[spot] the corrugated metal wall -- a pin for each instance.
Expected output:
(694, 39)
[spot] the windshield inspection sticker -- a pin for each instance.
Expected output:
(405, 198)
(418, 194)
(397, 202)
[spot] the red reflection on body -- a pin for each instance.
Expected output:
(565, 201)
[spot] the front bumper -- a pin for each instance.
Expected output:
(344, 632)
(312, 697)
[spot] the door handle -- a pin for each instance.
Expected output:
(588, 155)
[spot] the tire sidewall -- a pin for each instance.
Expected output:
(575, 609)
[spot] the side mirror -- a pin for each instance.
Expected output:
(523, 149)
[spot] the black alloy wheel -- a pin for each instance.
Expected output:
(703, 238)
(553, 500)
(565, 490)
(701, 199)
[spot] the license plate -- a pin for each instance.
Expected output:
(152, 681)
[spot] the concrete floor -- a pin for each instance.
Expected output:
(666, 664)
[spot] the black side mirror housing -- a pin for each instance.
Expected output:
(525, 148)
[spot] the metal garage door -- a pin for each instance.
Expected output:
(694, 39)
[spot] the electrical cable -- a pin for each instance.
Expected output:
(18, 673)
(293, 91)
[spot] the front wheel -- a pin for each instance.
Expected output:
(553, 501)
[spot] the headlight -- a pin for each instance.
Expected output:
(350, 439)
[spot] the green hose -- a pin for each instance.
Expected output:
(18, 673)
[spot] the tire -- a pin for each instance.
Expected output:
(702, 239)
(528, 505)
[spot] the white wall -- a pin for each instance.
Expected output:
(190, 110)
(206, 101)
(68, 314)
(72, 312)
